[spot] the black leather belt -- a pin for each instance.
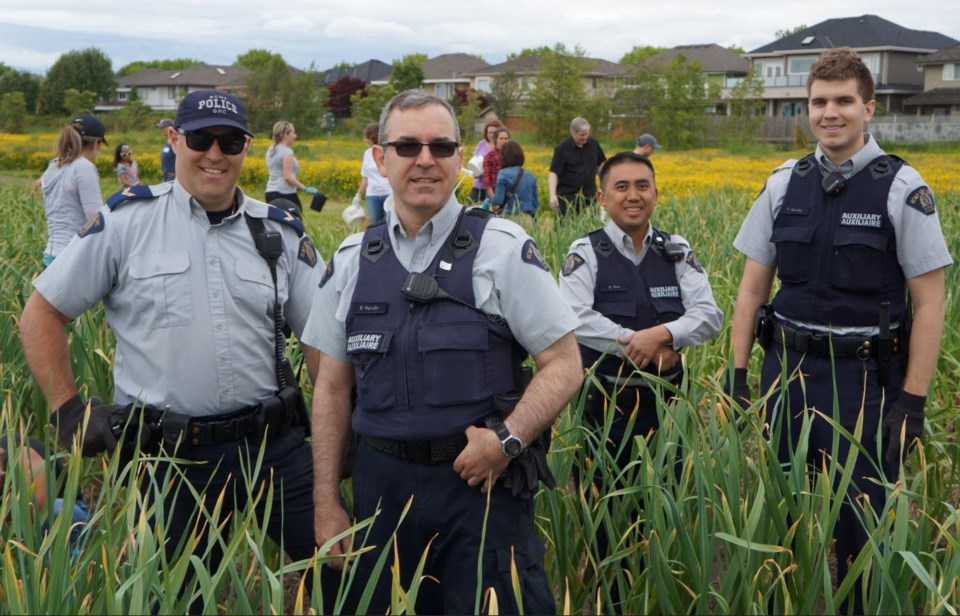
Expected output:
(421, 452)
(820, 343)
(273, 417)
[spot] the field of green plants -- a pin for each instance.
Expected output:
(730, 533)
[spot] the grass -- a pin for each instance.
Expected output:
(730, 533)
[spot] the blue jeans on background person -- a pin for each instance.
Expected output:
(375, 208)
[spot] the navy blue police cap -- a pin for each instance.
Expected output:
(205, 108)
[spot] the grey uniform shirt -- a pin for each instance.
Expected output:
(702, 319)
(921, 247)
(504, 283)
(190, 304)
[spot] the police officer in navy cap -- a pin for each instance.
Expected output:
(642, 297)
(196, 278)
(430, 315)
(848, 230)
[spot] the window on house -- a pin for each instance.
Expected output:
(872, 61)
(483, 84)
(800, 65)
(442, 90)
(172, 92)
(951, 71)
(121, 96)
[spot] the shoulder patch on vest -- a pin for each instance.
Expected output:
(328, 272)
(94, 225)
(571, 263)
(693, 262)
(307, 252)
(921, 199)
(285, 218)
(135, 193)
(531, 255)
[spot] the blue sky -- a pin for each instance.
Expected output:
(34, 33)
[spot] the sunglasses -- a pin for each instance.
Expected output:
(201, 141)
(409, 149)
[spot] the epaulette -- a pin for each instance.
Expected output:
(285, 218)
(139, 192)
(351, 241)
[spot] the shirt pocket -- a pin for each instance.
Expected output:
(254, 290)
(375, 372)
(161, 287)
(456, 366)
(617, 309)
(858, 260)
(793, 253)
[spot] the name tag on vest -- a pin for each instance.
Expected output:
(859, 219)
(379, 308)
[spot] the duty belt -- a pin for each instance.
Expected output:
(820, 343)
(421, 452)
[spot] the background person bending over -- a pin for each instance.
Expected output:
(283, 167)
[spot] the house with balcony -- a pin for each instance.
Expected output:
(162, 89)
(446, 74)
(941, 85)
(889, 49)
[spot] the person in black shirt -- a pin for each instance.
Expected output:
(574, 168)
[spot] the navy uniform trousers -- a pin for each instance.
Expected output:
(858, 388)
(447, 513)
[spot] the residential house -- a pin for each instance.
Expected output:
(369, 71)
(446, 74)
(941, 84)
(162, 89)
(890, 50)
(722, 67)
(599, 75)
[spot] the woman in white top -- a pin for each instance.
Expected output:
(71, 183)
(374, 186)
(283, 167)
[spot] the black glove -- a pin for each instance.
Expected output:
(738, 390)
(98, 436)
(908, 409)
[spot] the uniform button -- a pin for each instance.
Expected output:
(223, 360)
(213, 261)
(156, 268)
(216, 293)
(196, 430)
(219, 326)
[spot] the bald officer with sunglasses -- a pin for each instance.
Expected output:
(430, 315)
(191, 302)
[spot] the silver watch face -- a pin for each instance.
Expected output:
(512, 446)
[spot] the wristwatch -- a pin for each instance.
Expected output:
(512, 446)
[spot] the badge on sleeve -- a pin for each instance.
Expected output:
(328, 272)
(693, 262)
(921, 199)
(531, 255)
(571, 263)
(94, 225)
(307, 253)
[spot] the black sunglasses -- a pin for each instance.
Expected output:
(201, 141)
(409, 149)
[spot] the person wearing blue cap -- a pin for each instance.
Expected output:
(646, 144)
(197, 281)
(168, 160)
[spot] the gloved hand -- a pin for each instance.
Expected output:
(356, 200)
(907, 409)
(68, 419)
(310, 190)
(525, 472)
(738, 390)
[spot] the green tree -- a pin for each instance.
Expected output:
(745, 107)
(639, 53)
(639, 92)
(408, 72)
(26, 83)
(277, 91)
(523, 53)
(467, 114)
(737, 49)
(88, 70)
(257, 59)
(782, 34)
(135, 115)
(505, 93)
(13, 112)
(558, 94)
(176, 64)
(686, 96)
(367, 104)
(79, 101)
